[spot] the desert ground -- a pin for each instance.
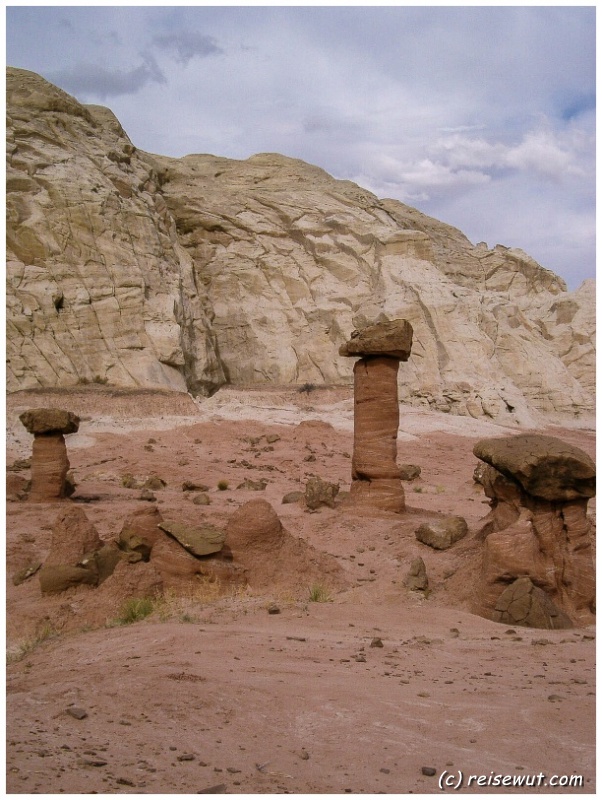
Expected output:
(363, 687)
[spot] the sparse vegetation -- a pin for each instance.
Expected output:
(319, 594)
(222, 485)
(45, 632)
(135, 609)
(307, 388)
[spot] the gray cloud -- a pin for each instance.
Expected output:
(481, 116)
(85, 79)
(186, 45)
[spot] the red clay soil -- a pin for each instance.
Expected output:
(359, 687)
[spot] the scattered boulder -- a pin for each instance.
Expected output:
(254, 486)
(537, 529)
(191, 486)
(17, 487)
(49, 462)
(293, 497)
(417, 579)
(27, 572)
(199, 540)
(201, 499)
(409, 472)
(320, 493)
(443, 534)
(523, 603)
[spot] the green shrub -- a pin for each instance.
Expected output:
(222, 485)
(319, 594)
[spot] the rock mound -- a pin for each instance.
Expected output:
(273, 557)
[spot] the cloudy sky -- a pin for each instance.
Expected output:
(480, 116)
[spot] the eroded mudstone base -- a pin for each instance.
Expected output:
(386, 494)
(49, 468)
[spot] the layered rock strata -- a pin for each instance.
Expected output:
(538, 528)
(49, 461)
(134, 269)
(376, 478)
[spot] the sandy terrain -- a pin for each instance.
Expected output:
(213, 692)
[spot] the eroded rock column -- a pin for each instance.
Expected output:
(376, 478)
(49, 462)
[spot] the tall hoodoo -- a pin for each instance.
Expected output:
(376, 478)
(49, 462)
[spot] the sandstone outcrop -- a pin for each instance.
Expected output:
(141, 270)
(376, 478)
(49, 461)
(273, 557)
(537, 529)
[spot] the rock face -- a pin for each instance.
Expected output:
(141, 270)
(49, 462)
(376, 478)
(541, 532)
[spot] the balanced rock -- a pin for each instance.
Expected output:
(49, 462)
(49, 420)
(391, 338)
(442, 534)
(544, 466)
(537, 527)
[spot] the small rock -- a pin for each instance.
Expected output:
(272, 437)
(77, 713)
(442, 535)
(409, 472)
(191, 486)
(319, 493)
(376, 642)
(186, 757)
(219, 789)
(292, 497)
(430, 771)
(274, 608)
(416, 579)
(146, 494)
(201, 499)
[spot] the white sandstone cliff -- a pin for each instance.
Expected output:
(144, 270)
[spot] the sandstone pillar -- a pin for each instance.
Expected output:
(376, 478)
(49, 463)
